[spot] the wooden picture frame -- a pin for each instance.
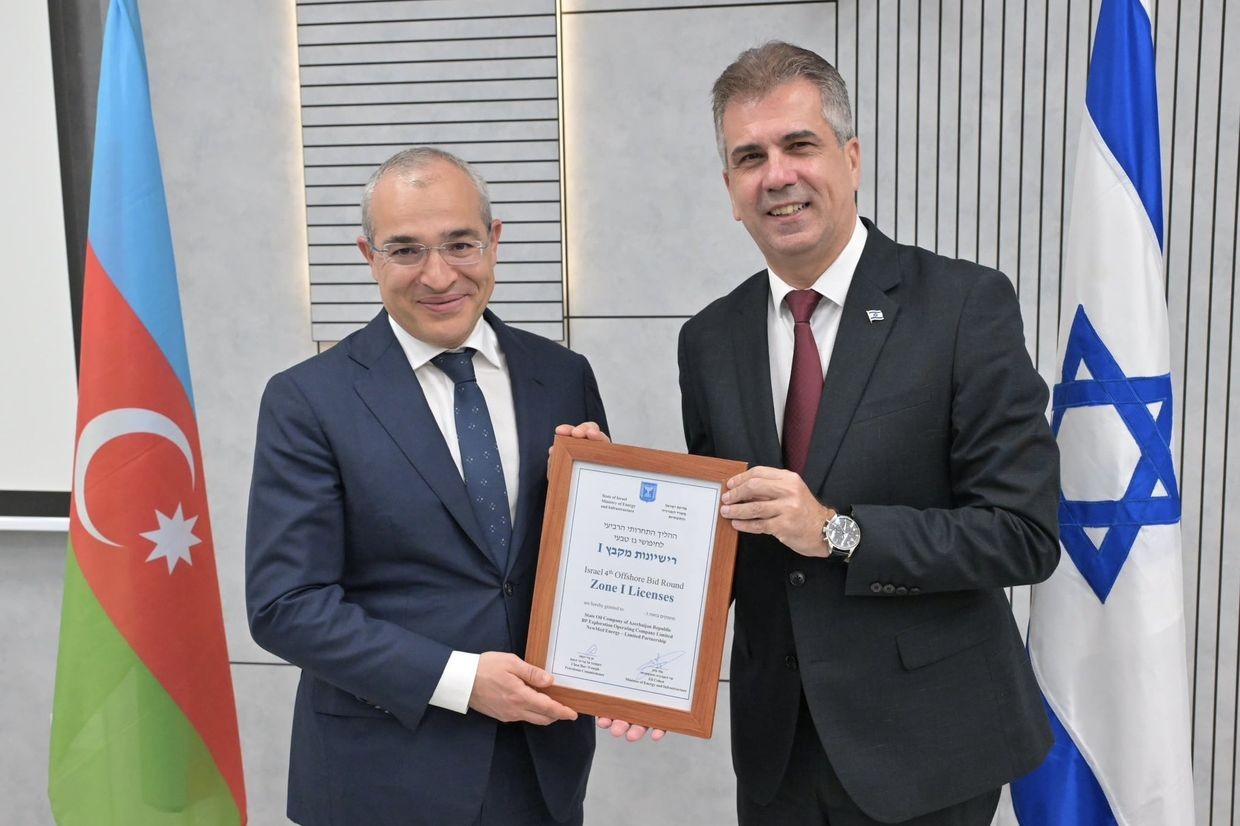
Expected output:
(635, 566)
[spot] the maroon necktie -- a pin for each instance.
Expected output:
(805, 383)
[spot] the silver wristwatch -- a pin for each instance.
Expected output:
(842, 535)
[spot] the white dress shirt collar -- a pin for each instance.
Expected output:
(482, 338)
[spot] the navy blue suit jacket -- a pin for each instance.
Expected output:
(366, 567)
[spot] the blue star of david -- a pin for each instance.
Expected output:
(1131, 398)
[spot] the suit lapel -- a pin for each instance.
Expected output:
(751, 355)
(857, 347)
(534, 434)
(392, 393)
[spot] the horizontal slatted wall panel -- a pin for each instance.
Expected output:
(477, 78)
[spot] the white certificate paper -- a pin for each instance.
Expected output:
(633, 571)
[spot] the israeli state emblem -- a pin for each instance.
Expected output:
(648, 491)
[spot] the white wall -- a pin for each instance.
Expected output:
(38, 387)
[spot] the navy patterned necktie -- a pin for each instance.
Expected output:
(480, 461)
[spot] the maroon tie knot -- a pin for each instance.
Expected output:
(802, 304)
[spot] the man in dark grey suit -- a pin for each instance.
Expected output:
(877, 673)
(395, 517)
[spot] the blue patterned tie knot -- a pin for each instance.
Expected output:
(480, 460)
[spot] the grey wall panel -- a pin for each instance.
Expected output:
(320, 13)
(681, 781)
(649, 222)
(31, 572)
(425, 29)
(634, 362)
(400, 135)
(455, 111)
(422, 51)
(515, 68)
(329, 160)
(265, 717)
(1196, 45)
(639, 6)
(395, 93)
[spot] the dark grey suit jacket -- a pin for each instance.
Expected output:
(932, 427)
(366, 567)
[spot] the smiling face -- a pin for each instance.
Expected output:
(437, 303)
(792, 184)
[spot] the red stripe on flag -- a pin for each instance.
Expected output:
(172, 618)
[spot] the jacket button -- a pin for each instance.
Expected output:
(791, 662)
(914, 590)
(901, 590)
(876, 587)
(508, 589)
(796, 578)
(889, 588)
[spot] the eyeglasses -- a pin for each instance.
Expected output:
(455, 253)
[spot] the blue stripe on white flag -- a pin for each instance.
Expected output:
(1063, 790)
(1122, 98)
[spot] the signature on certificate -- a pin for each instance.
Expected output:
(659, 662)
(589, 652)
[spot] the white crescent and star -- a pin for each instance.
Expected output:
(174, 536)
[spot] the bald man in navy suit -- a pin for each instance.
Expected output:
(395, 516)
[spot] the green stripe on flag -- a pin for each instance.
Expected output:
(122, 752)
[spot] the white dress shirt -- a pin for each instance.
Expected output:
(825, 321)
(491, 369)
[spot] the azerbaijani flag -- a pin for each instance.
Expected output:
(144, 729)
(1106, 631)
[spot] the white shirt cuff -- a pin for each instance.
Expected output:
(457, 683)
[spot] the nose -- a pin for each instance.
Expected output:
(780, 172)
(436, 274)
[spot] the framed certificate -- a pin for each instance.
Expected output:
(633, 585)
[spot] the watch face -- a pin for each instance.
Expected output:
(843, 532)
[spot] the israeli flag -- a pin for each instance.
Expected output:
(1106, 631)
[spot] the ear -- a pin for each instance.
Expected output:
(852, 152)
(368, 254)
(497, 229)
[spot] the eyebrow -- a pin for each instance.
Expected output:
(743, 149)
(463, 232)
(800, 134)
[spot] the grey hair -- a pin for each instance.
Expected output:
(407, 163)
(758, 71)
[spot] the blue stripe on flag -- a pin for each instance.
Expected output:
(1063, 790)
(1122, 98)
(129, 229)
